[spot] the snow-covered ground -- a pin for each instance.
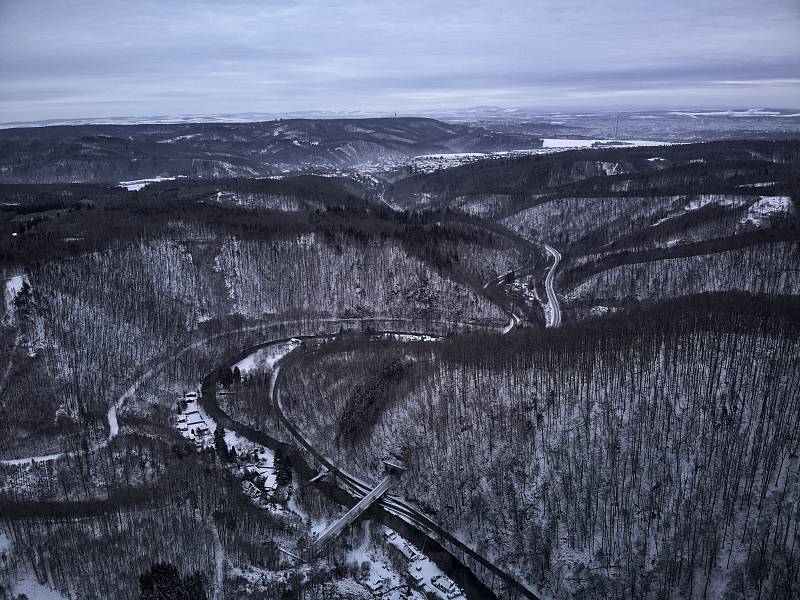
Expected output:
(266, 357)
(12, 288)
(766, 207)
(34, 590)
(423, 570)
(27, 586)
(706, 199)
(195, 425)
(137, 184)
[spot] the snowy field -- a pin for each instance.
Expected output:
(137, 184)
(266, 358)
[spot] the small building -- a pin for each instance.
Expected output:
(444, 584)
(407, 551)
(250, 490)
(376, 587)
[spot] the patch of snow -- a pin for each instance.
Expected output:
(706, 199)
(759, 184)
(424, 571)
(137, 184)
(266, 357)
(13, 287)
(35, 590)
(767, 207)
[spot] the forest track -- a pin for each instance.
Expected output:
(219, 566)
(161, 361)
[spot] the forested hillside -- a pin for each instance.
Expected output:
(111, 153)
(178, 265)
(580, 366)
(644, 457)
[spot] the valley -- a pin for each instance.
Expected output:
(579, 356)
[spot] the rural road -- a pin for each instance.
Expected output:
(356, 487)
(553, 310)
(388, 502)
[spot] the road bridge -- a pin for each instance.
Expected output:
(393, 471)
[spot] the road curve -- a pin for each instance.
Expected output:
(160, 362)
(356, 487)
(391, 503)
(553, 309)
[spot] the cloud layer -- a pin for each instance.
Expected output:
(111, 58)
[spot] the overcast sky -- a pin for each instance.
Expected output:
(96, 58)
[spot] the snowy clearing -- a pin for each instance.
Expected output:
(30, 588)
(137, 184)
(767, 207)
(266, 357)
(12, 288)
(423, 570)
(706, 199)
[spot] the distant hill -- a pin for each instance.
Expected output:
(111, 153)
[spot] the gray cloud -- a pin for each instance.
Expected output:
(108, 58)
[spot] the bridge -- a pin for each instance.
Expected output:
(393, 471)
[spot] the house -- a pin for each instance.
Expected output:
(376, 587)
(250, 490)
(444, 584)
(407, 551)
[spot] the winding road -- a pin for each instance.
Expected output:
(390, 503)
(553, 309)
(354, 486)
(161, 361)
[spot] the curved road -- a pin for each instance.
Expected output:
(359, 488)
(554, 311)
(160, 362)
(390, 503)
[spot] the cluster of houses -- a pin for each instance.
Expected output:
(426, 575)
(255, 462)
(192, 423)
(258, 462)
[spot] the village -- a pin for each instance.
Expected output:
(256, 466)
